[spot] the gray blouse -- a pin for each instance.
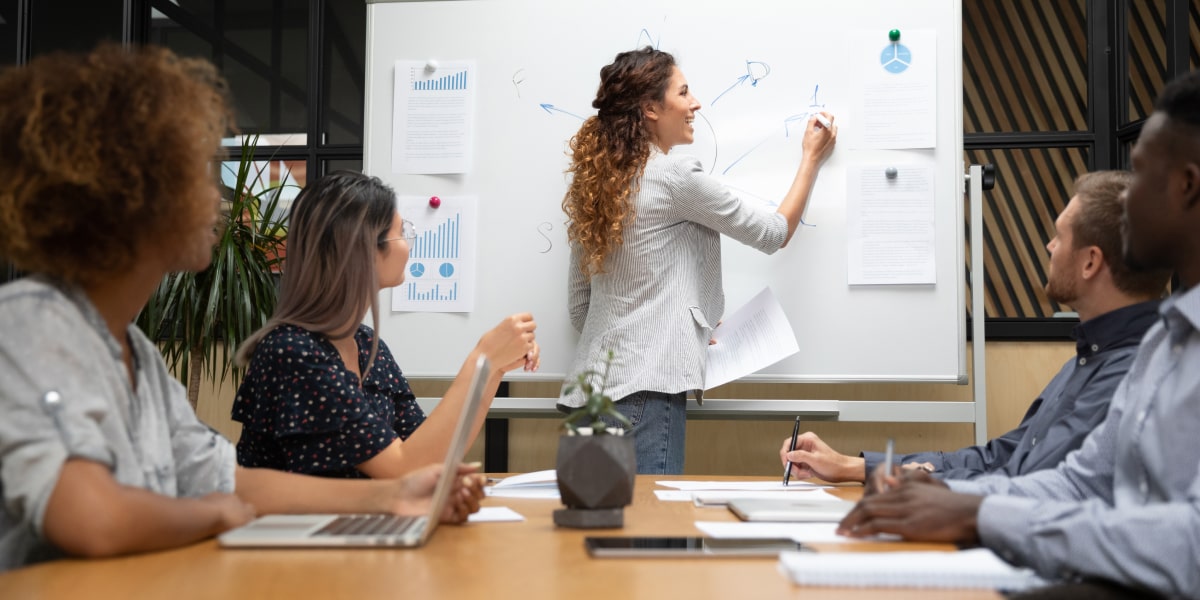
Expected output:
(661, 295)
(54, 342)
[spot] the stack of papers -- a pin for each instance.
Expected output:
(741, 486)
(978, 568)
(538, 485)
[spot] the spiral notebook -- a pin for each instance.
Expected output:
(978, 568)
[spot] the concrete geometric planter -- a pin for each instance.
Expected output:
(595, 479)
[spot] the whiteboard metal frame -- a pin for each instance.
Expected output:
(954, 371)
(855, 410)
(978, 316)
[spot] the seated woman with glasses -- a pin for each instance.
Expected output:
(322, 394)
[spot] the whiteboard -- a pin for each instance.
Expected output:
(536, 70)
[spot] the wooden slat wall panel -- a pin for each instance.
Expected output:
(1147, 54)
(1024, 66)
(1025, 70)
(1032, 188)
(1194, 33)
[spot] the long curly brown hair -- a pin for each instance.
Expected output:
(103, 152)
(609, 152)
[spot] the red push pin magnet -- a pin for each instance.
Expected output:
(434, 201)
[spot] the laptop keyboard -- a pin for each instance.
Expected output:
(367, 525)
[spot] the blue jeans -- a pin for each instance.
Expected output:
(659, 427)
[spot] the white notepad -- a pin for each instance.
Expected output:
(792, 508)
(978, 568)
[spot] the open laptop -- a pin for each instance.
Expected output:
(374, 530)
(789, 509)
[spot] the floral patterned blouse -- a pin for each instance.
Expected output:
(302, 411)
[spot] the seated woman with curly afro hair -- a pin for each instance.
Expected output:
(106, 185)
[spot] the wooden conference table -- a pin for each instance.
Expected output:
(530, 559)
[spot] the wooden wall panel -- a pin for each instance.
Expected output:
(1147, 55)
(1032, 188)
(1024, 66)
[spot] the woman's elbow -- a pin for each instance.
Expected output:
(86, 538)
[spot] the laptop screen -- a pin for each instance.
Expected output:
(458, 445)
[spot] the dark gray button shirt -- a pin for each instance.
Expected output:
(1072, 405)
(54, 340)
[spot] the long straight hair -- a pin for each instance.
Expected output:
(335, 233)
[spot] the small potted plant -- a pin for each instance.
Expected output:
(596, 463)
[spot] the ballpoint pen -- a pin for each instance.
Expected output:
(787, 470)
(888, 455)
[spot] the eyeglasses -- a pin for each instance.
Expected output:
(408, 232)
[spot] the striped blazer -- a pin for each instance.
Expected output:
(660, 295)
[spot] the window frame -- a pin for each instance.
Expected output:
(1108, 134)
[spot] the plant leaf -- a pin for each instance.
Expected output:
(210, 313)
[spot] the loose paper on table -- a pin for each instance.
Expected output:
(722, 497)
(495, 514)
(801, 532)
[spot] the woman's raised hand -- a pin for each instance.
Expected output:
(511, 344)
(819, 138)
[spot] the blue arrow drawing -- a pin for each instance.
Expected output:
(749, 76)
(551, 109)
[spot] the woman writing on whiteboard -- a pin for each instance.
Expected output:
(322, 394)
(644, 227)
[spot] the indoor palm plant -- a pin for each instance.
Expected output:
(199, 319)
(596, 464)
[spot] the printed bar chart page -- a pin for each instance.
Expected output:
(432, 126)
(440, 276)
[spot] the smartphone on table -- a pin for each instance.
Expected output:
(689, 546)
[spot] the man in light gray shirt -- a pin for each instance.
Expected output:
(1125, 507)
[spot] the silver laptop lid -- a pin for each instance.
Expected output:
(458, 445)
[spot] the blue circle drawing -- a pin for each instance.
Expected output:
(895, 58)
(446, 269)
(417, 269)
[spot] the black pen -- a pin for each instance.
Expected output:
(787, 471)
